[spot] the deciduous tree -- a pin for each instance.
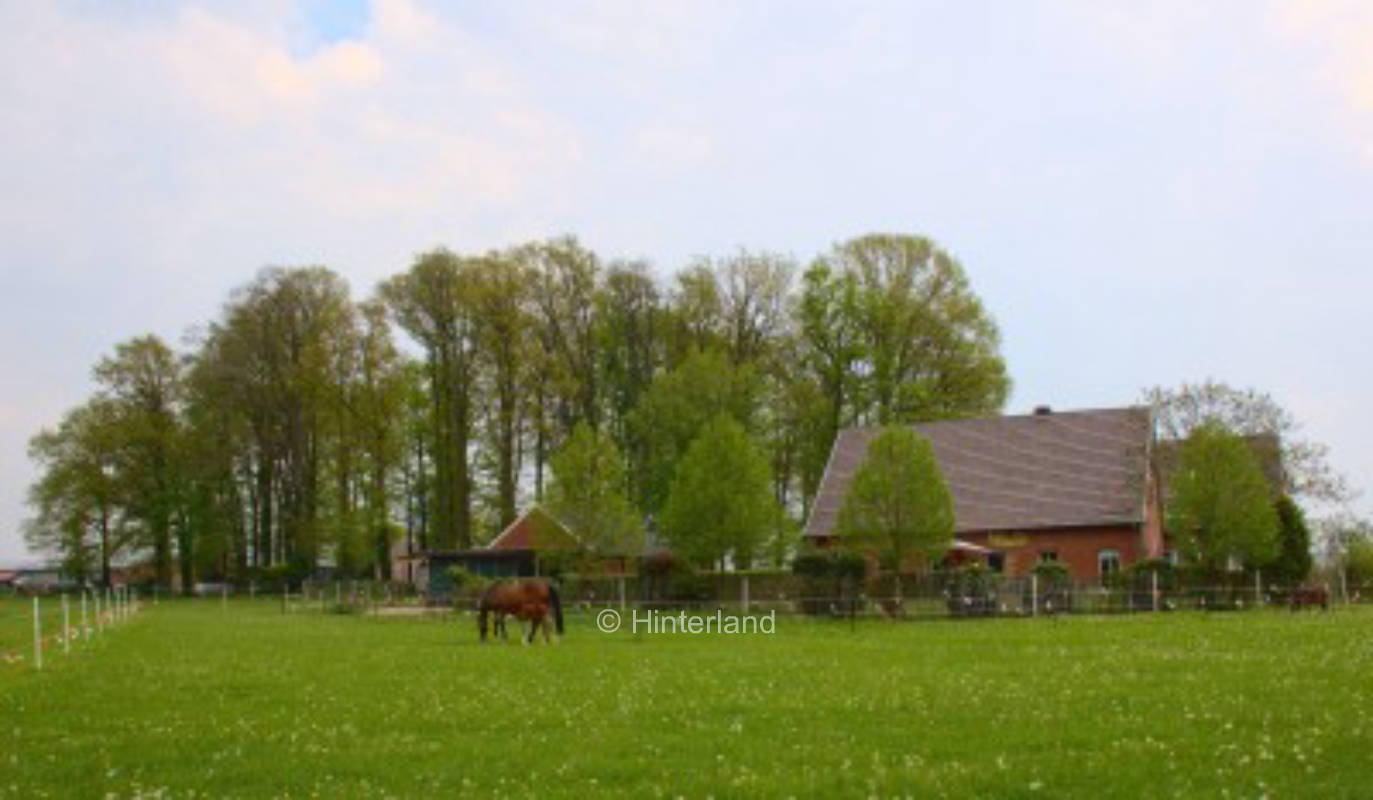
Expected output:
(897, 501)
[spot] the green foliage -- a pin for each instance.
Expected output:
(1219, 504)
(897, 501)
(721, 500)
(1293, 562)
(1358, 563)
(676, 408)
(1294, 465)
(465, 580)
(842, 564)
(588, 494)
(293, 427)
(1053, 575)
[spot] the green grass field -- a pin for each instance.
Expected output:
(188, 700)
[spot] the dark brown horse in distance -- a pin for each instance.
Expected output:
(525, 600)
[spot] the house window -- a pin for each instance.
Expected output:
(1048, 556)
(1107, 563)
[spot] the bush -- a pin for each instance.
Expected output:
(827, 575)
(685, 587)
(970, 591)
(467, 585)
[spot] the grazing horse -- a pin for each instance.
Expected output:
(1310, 597)
(525, 600)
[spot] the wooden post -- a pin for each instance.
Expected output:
(224, 597)
(85, 629)
(1155, 590)
(621, 584)
(1034, 594)
(1258, 587)
(1344, 586)
(37, 637)
(66, 626)
(743, 592)
(252, 590)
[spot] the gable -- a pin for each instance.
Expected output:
(535, 529)
(1062, 469)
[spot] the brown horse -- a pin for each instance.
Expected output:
(523, 599)
(1310, 597)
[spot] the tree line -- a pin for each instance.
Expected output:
(299, 424)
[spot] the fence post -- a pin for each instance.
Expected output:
(1034, 594)
(1344, 586)
(1154, 574)
(224, 596)
(37, 637)
(85, 629)
(743, 593)
(66, 626)
(1258, 587)
(620, 582)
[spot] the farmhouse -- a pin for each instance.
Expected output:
(1075, 487)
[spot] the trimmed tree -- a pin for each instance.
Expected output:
(897, 502)
(1220, 506)
(1293, 563)
(588, 494)
(721, 498)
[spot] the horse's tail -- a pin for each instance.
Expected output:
(483, 607)
(557, 603)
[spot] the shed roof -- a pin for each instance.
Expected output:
(535, 529)
(1048, 470)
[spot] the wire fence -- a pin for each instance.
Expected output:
(928, 596)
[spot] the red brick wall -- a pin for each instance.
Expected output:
(1077, 547)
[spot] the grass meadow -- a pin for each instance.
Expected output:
(191, 700)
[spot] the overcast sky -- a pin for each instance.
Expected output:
(1142, 193)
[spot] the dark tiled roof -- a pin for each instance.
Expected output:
(1064, 469)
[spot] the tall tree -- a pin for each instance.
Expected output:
(930, 348)
(755, 302)
(1293, 562)
(142, 382)
(897, 501)
(564, 282)
(676, 408)
(721, 499)
(503, 322)
(77, 510)
(630, 323)
(1299, 466)
(588, 494)
(433, 303)
(378, 421)
(1220, 505)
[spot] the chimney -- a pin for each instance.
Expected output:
(1043, 411)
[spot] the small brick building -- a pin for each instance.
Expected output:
(1076, 487)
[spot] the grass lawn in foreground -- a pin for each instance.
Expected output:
(190, 700)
